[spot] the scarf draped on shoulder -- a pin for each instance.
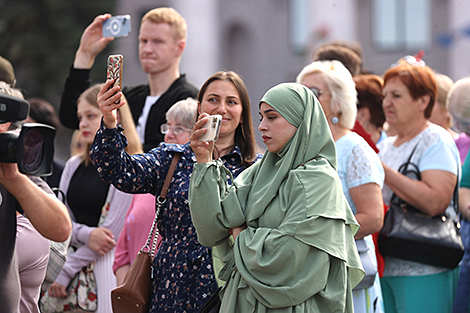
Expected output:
(312, 144)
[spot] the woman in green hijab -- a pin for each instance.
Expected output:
(294, 247)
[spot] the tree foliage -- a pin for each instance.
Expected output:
(40, 38)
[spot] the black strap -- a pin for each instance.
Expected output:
(415, 170)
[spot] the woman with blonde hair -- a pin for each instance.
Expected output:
(89, 200)
(359, 167)
(440, 114)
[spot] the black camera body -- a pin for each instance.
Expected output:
(33, 148)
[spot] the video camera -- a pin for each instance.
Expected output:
(33, 148)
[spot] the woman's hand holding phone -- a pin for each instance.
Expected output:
(107, 101)
(202, 149)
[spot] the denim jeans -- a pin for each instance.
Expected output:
(462, 296)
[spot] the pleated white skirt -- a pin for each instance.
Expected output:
(105, 281)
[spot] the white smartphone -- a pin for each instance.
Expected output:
(213, 128)
(117, 26)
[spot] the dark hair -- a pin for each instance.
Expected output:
(350, 44)
(347, 56)
(420, 81)
(43, 112)
(244, 134)
(369, 94)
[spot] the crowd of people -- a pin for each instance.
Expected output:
(287, 230)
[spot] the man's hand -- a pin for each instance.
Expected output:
(47, 214)
(101, 240)
(92, 43)
(9, 174)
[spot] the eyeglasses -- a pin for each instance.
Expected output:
(177, 130)
(317, 92)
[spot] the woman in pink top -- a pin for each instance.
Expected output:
(33, 254)
(180, 120)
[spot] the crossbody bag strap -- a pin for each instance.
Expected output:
(169, 175)
(455, 197)
(403, 169)
(161, 199)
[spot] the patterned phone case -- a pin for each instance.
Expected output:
(115, 62)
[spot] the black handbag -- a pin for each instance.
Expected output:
(410, 234)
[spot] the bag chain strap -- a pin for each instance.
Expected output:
(161, 199)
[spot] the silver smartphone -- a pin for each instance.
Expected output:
(213, 128)
(117, 26)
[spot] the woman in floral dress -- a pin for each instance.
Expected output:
(183, 272)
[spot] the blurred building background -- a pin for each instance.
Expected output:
(270, 41)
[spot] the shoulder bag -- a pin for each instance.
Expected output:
(57, 257)
(369, 263)
(82, 290)
(133, 295)
(81, 297)
(410, 234)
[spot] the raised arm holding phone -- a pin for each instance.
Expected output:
(162, 40)
(181, 263)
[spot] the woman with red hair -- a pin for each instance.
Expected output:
(409, 95)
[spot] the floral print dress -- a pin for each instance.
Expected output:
(183, 275)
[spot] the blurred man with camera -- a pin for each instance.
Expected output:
(31, 195)
(162, 39)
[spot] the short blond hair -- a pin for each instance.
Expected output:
(444, 83)
(340, 84)
(458, 100)
(169, 16)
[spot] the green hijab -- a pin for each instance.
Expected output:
(289, 200)
(312, 143)
(313, 140)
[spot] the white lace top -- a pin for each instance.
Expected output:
(435, 150)
(358, 164)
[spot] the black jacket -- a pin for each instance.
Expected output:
(79, 80)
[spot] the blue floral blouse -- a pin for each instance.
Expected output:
(183, 275)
